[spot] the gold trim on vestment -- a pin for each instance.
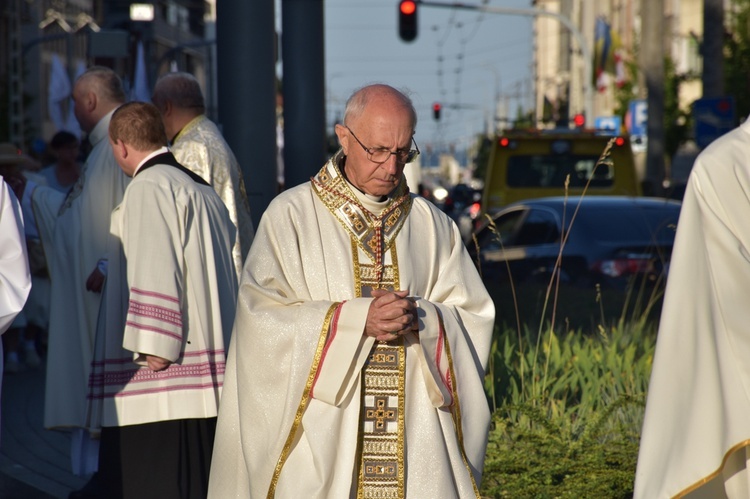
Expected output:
(191, 124)
(382, 466)
(717, 472)
(456, 412)
(305, 400)
(375, 233)
(381, 435)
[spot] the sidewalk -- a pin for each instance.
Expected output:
(34, 462)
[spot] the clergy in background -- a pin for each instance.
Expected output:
(362, 334)
(74, 229)
(168, 311)
(15, 278)
(197, 143)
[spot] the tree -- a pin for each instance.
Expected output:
(651, 59)
(737, 56)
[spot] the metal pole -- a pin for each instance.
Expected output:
(302, 51)
(246, 84)
(588, 62)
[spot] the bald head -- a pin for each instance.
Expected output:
(95, 93)
(378, 119)
(179, 98)
(378, 93)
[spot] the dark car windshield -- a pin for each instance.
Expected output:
(629, 223)
(546, 170)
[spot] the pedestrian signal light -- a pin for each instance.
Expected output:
(407, 20)
(579, 120)
(436, 107)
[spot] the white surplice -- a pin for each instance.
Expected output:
(696, 431)
(290, 412)
(171, 292)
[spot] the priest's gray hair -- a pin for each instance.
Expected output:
(181, 89)
(103, 82)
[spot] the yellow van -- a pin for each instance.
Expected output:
(535, 163)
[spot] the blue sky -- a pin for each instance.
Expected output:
(460, 58)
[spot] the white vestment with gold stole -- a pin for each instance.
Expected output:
(313, 408)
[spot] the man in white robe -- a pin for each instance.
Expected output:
(74, 229)
(15, 278)
(169, 306)
(362, 335)
(696, 433)
(197, 143)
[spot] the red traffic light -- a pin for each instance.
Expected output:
(436, 107)
(407, 7)
(407, 20)
(579, 120)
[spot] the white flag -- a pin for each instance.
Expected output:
(139, 90)
(59, 90)
(71, 123)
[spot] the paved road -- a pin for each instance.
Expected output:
(34, 462)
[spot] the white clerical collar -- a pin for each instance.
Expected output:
(374, 204)
(161, 150)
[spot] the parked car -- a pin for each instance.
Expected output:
(608, 240)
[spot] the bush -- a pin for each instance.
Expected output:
(567, 412)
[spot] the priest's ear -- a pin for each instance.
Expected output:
(343, 134)
(119, 150)
(165, 107)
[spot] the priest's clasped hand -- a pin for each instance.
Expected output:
(391, 314)
(157, 363)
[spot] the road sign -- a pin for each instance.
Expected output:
(713, 118)
(608, 123)
(638, 117)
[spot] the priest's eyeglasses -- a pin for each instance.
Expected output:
(380, 155)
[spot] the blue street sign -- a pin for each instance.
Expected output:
(608, 123)
(713, 118)
(638, 117)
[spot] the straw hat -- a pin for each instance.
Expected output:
(11, 155)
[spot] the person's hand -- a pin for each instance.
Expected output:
(391, 314)
(157, 363)
(95, 281)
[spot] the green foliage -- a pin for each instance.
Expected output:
(568, 406)
(737, 55)
(570, 412)
(678, 123)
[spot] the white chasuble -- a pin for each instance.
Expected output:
(313, 408)
(696, 431)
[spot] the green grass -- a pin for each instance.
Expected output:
(568, 412)
(567, 380)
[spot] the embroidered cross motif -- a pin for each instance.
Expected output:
(380, 470)
(378, 415)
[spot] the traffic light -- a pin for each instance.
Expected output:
(579, 120)
(407, 20)
(436, 107)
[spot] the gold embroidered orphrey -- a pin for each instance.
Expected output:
(381, 437)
